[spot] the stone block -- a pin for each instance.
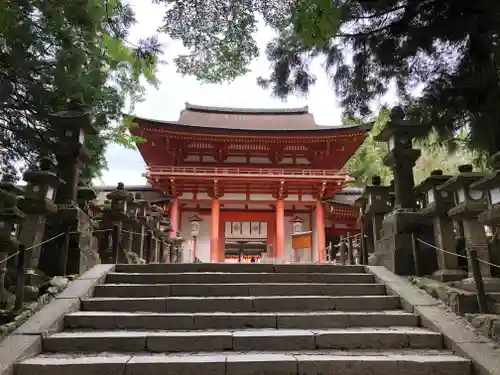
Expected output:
(98, 272)
(17, 347)
(209, 290)
(293, 303)
(117, 290)
(317, 268)
(313, 320)
(202, 304)
(261, 364)
(123, 320)
(282, 339)
(50, 318)
(316, 289)
(194, 341)
(70, 342)
(72, 364)
(365, 303)
(314, 364)
(79, 288)
(178, 365)
(125, 304)
(234, 321)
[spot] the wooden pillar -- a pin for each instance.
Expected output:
(320, 231)
(174, 218)
(221, 257)
(214, 230)
(280, 228)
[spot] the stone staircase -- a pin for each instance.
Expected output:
(248, 319)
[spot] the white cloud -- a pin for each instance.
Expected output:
(168, 100)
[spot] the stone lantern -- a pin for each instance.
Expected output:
(297, 223)
(195, 221)
(491, 186)
(491, 217)
(119, 198)
(143, 208)
(404, 221)
(38, 204)
(71, 127)
(162, 233)
(366, 231)
(469, 204)
(436, 205)
(176, 253)
(85, 196)
(377, 205)
(10, 218)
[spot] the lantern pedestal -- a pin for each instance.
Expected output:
(436, 206)
(470, 203)
(395, 248)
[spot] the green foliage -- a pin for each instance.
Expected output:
(448, 49)
(367, 161)
(57, 50)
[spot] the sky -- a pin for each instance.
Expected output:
(166, 101)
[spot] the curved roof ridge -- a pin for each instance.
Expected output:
(255, 111)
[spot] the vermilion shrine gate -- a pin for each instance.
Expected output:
(247, 175)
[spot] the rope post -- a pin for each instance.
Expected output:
(478, 280)
(21, 276)
(364, 248)
(63, 260)
(414, 246)
(350, 250)
(148, 249)
(116, 234)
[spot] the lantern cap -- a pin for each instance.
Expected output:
(297, 219)
(195, 217)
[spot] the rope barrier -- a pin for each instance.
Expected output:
(458, 255)
(31, 247)
(74, 232)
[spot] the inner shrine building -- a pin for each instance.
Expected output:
(242, 181)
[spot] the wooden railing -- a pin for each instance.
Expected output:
(255, 172)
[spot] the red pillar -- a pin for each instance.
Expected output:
(280, 228)
(214, 229)
(174, 218)
(320, 231)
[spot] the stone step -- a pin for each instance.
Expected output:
(105, 320)
(231, 277)
(407, 362)
(238, 268)
(243, 340)
(248, 289)
(243, 304)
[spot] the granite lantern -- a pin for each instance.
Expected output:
(469, 204)
(436, 205)
(38, 204)
(491, 186)
(85, 196)
(71, 127)
(395, 251)
(73, 253)
(120, 199)
(162, 234)
(143, 208)
(365, 225)
(377, 205)
(10, 218)
(176, 252)
(195, 221)
(297, 223)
